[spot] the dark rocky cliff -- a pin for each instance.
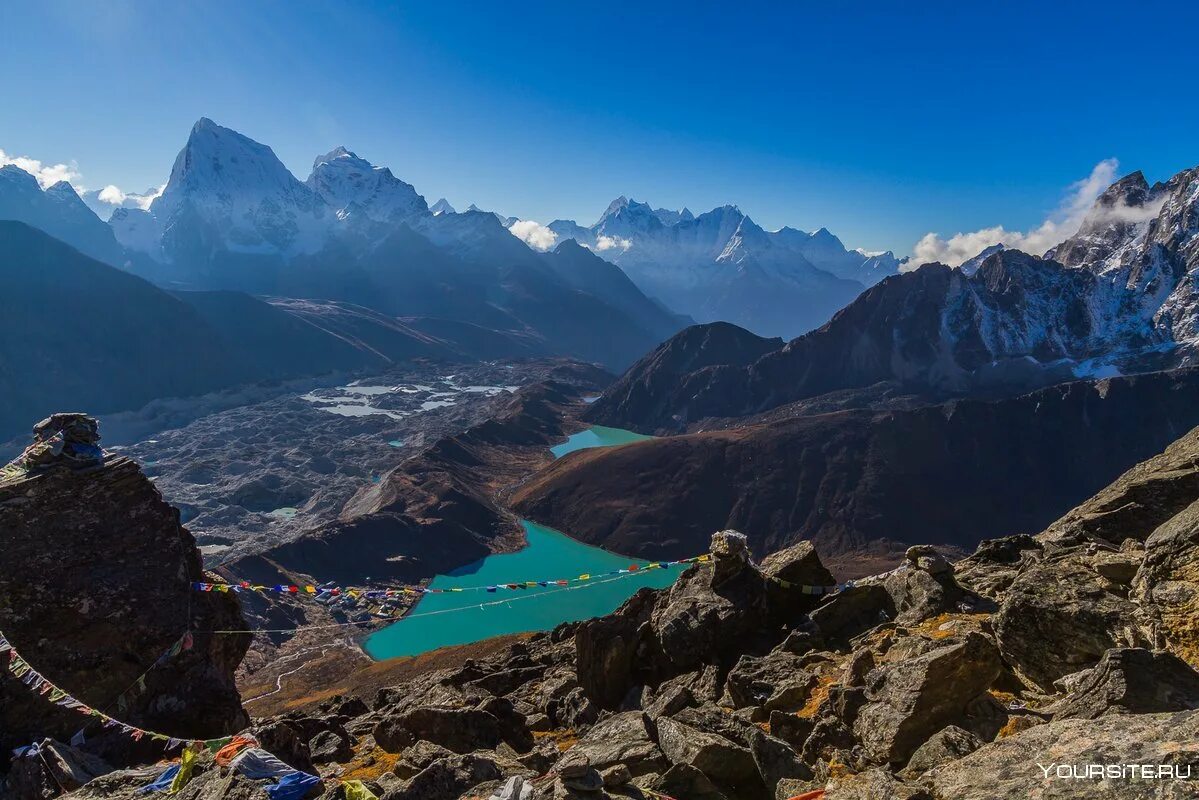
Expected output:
(95, 574)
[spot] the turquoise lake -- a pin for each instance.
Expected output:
(550, 555)
(596, 436)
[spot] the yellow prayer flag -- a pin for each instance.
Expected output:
(356, 790)
(585, 576)
(186, 763)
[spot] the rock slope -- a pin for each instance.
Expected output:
(95, 585)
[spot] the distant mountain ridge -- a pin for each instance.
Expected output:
(1118, 297)
(720, 265)
(233, 217)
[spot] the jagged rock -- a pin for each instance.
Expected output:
(912, 699)
(621, 739)
(607, 648)
(728, 765)
(925, 557)
(730, 555)
(96, 580)
(775, 759)
(460, 730)
(945, 745)
(1132, 681)
(329, 746)
(700, 621)
(990, 570)
(776, 681)
(1008, 767)
(419, 756)
(284, 740)
(670, 698)
(1168, 583)
(828, 735)
(706, 617)
(1057, 618)
(1118, 568)
(448, 778)
(616, 775)
(858, 667)
(685, 781)
(792, 729)
(788, 571)
(852, 611)
(874, 784)
(918, 594)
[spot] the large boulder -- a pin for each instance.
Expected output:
(612, 650)
(776, 681)
(448, 778)
(728, 764)
(1043, 761)
(460, 730)
(1059, 617)
(947, 744)
(622, 739)
(912, 699)
(1131, 681)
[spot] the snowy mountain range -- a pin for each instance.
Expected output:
(721, 265)
(1119, 297)
(232, 216)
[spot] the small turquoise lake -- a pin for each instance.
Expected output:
(550, 555)
(596, 436)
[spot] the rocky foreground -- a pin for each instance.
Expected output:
(1060, 665)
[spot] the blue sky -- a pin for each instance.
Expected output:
(881, 121)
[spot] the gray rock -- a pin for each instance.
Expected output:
(418, 757)
(1008, 767)
(913, 699)
(329, 746)
(1057, 618)
(621, 739)
(448, 778)
(1131, 681)
(686, 782)
(852, 611)
(729, 766)
(776, 681)
(945, 745)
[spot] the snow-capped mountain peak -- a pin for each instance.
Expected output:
(442, 206)
(237, 190)
(343, 180)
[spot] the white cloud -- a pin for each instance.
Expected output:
(47, 174)
(603, 243)
(1063, 223)
(111, 195)
(534, 234)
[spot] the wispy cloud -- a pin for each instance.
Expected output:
(1060, 225)
(47, 174)
(534, 234)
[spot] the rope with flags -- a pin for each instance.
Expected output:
(329, 590)
(23, 671)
